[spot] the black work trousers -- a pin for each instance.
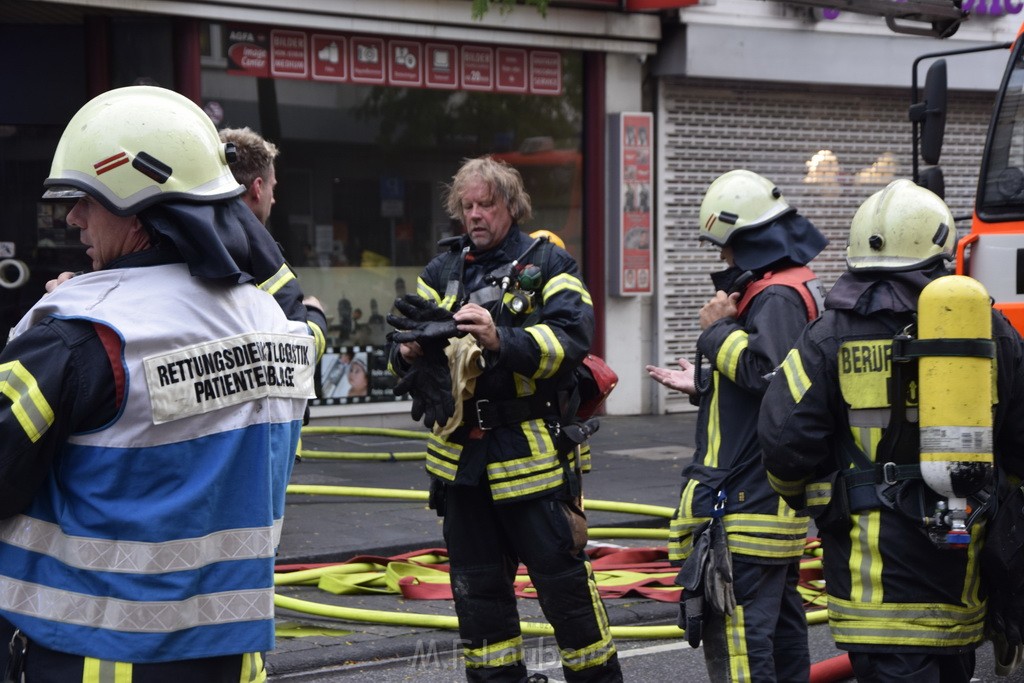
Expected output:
(912, 667)
(765, 639)
(486, 543)
(43, 665)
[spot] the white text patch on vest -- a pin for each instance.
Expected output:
(205, 377)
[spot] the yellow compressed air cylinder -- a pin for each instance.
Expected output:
(956, 391)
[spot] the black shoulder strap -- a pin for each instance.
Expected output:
(544, 249)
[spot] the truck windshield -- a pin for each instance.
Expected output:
(1001, 185)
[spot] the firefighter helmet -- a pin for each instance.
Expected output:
(901, 227)
(133, 147)
(552, 237)
(736, 201)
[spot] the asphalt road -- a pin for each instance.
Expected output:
(636, 460)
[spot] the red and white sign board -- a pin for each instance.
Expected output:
(330, 57)
(289, 54)
(248, 51)
(511, 69)
(405, 63)
(368, 60)
(545, 73)
(477, 68)
(400, 62)
(442, 66)
(631, 203)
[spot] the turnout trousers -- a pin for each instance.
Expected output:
(909, 667)
(486, 543)
(42, 665)
(765, 639)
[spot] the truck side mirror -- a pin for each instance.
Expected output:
(932, 179)
(931, 114)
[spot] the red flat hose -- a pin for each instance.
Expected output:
(832, 670)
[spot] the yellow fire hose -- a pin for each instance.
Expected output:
(312, 576)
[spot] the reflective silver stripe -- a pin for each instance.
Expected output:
(136, 557)
(551, 351)
(106, 671)
(906, 613)
(442, 458)
(876, 417)
(594, 655)
(500, 654)
(766, 524)
(564, 281)
(283, 276)
(819, 493)
(64, 606)
(766, 547)
(526, 485)
(28, 404)
(276, 532)
(523, 467)
(427, 292)
(786, 488)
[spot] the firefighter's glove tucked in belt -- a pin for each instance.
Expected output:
(706, 578)
(691, 578)
(421, 321)
(718, 588)
(429, 382)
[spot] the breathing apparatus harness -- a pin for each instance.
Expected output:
(750, 283)
(895, 479)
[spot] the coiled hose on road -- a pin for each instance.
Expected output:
(813, 592)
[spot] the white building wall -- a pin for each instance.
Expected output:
(629, 324)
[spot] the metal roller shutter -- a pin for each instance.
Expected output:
(827, 150)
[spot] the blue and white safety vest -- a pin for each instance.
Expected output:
(153, 538)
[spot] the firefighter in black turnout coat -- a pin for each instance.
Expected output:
(757, 631)
(504, 475)
(842, 438)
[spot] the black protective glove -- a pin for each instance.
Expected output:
(408, 331)
(418, 309)
(423, 320)
(429, 382)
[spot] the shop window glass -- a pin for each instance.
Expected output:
(361, 174)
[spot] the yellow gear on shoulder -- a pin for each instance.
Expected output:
(552, 237)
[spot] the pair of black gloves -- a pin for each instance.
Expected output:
(429, 380)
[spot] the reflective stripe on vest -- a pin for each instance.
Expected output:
(152, 540)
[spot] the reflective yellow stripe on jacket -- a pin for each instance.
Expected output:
(30, 407)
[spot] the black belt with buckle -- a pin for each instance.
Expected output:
(488, 414)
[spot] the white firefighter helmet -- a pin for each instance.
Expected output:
(132, 147)
(736, 201)
(901, 227)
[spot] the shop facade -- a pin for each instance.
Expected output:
(816, 102)
(373, 106)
